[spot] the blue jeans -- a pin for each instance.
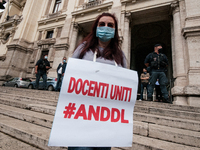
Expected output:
(89, 148)
(162, 81)
(142, 90)
(59, 82)
(158, 92)
(44, 77)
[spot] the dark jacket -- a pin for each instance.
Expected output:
(42, 63)
(157, 62)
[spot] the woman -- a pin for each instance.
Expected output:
(101, 45)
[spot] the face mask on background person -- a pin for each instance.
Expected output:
(64, 61)
(160, 50)
(45, 57)
(105, 33)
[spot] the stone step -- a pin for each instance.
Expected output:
(51, 102)
(142, 128)
(147, 143)
(38, 136)
(168, 106)
(144, 117)
(33, 134)
(168, 121)
(10, 143)
(168, 112)
(175, 135)
(149, 118)
(153, 108)
(27, 115)
(30, 106)
(30, 92)
(52, 99)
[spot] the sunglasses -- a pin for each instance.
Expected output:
(109, 24)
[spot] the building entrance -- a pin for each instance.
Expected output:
(143, 39)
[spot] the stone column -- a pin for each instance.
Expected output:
(26, 61)
(178, 53)
(126, 38)
(51, 48)
(55, 31)
(191, 32)
(43, 35)
(73, 38)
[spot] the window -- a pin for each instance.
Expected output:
(49, 34)
(57, 6)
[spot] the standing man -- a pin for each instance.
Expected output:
(60, 72)
(144, 82)
(158, 64)
(41, 68)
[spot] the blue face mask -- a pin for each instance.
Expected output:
(105, 33)
(64, 61)
(45, 57)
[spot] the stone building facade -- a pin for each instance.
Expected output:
(32, 28)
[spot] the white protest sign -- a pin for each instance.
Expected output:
(95, 106)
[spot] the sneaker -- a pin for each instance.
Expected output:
(140, 100)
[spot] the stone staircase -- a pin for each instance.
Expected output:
(26, 117)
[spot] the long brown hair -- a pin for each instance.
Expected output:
(112, 51)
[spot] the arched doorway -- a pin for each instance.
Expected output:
(144, 35)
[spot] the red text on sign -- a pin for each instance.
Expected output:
(99, 89)
(101, 114)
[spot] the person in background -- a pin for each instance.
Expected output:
(41, 68)
(60, 73)
(144, 77)
(158, 63)
(103, 44)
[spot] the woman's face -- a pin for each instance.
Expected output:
(106, 21)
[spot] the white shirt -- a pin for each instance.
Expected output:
(60, 70)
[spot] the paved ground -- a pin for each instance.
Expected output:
(9, 143)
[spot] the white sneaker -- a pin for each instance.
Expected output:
(140, 100)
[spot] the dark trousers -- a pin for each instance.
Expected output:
(142, 90)
(162, 81)
(158, 92)
(59, 82)
(89, 148)
(44, 77)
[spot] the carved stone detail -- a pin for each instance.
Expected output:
(175, 7)
(76, 26)
(127, 17)
(47, 43)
